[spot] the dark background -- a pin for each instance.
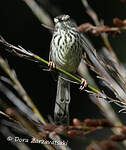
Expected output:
(20, 27)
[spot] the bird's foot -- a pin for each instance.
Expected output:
(83, 84)
(51, 65)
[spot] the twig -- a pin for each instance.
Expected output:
(21, 52)
(28, 55)
(99, 30)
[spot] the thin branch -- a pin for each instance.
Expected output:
(99, 30)
(33, 57)
(21, 52)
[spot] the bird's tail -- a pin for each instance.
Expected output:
(61, 111)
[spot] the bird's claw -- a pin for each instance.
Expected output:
(51, 65)
(83, 84)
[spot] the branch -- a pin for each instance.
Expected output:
(99, 30)
(21, 52)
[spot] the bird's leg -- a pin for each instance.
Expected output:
(51, 65)
(83, 82)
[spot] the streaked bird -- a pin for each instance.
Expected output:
(65, 52)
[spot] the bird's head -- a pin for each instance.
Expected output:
(63, 22)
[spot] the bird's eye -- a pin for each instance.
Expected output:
(56, 20)
(61, 18)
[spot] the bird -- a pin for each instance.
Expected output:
(66, 52)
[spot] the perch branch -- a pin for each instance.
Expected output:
(21, 52)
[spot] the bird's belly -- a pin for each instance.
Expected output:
(69, 58)
(66, 51)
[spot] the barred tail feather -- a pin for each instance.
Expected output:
(61, 111)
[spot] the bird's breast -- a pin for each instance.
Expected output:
(66, 51)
